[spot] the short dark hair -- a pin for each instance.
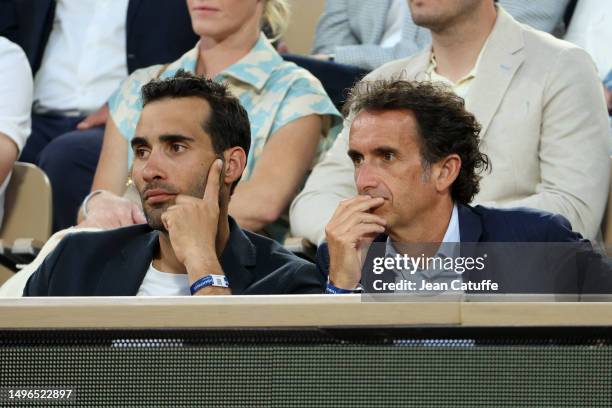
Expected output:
(443, 124)
(228, 122)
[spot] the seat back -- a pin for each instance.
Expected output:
(27, 206)
(336, 79)
(301, 30)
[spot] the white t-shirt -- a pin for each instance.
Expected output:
(15, 100)
(85, 58)
(157, 283)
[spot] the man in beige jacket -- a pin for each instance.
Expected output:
(537, 98)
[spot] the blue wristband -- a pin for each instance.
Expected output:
(333, 290)
(200, 283)
(209, 280)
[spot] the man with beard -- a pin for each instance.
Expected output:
(190, 150)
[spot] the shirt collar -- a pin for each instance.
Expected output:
(433, 64)
(187, 62)
(452, 231)
(256, 67)
(253, 69)
(451, 236)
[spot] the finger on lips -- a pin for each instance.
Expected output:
(363, 205)
(358, 214)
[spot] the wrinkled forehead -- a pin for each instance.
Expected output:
(371, 129)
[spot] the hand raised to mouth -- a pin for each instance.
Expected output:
(349, 233)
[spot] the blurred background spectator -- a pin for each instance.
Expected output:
(291, 115)
(537, 98)
(79, 51)
(15, 103)
(591, 29)
(370, 33)
(8, 20)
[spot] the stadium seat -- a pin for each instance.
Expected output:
(27, 216)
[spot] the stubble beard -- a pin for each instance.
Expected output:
(153, 214)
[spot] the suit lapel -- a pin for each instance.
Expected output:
(470, 224)
(238, 256)
(470, 232)
(123, 275)
(502, 56)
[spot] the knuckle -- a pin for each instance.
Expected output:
(344, 203)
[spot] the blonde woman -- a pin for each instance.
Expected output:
(292, 118)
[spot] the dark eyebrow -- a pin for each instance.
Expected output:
(139, 141)
(382, 150)
(353, 153)
(175, 138)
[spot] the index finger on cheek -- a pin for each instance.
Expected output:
(213, 180)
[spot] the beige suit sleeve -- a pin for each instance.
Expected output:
(574, 145)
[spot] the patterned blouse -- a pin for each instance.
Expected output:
(273, 92)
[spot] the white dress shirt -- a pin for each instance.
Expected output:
(85, 58)
(15, 100)
(449, 248)
(451, 235)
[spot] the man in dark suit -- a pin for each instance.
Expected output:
(415, 151)
(190, 150)
(79, 51)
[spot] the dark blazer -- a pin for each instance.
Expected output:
(571, 266)
(115, 262)
(158, 31)
(8, 20)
